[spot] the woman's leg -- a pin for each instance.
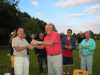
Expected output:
(50, 66)
(57, 64)
(83, 62)
(18, 65)
(89, 64)
(26, 65)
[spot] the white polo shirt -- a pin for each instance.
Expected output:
(19, 42)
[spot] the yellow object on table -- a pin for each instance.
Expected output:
(80, 72)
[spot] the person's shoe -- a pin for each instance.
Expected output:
(12, 71)
(41, 70)
(64, 73)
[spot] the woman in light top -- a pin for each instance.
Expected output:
(87, 49)
(21, 59)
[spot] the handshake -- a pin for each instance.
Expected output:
(35, 42)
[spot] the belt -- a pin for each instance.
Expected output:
(54, 54)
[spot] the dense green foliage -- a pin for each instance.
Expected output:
(11, 18)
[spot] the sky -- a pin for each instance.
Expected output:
(79, 15)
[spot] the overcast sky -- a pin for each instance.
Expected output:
(79, 15)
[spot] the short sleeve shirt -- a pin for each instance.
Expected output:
(56, 48)
(19, 42)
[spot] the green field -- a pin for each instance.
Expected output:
(5, 61)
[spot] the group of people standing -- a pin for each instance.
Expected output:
(52, 49)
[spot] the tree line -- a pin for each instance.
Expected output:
(11, 18)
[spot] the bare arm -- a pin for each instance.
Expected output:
(20, 48)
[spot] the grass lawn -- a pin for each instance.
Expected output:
(5, 61)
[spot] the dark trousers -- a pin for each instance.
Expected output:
(68, 65)
(42, 60)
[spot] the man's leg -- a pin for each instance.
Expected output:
(40, 63)
(44, 64)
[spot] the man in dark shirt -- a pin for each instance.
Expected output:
(41, 54)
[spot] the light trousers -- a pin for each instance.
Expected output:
(21, 65)
(55, 65)
(87, 63)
